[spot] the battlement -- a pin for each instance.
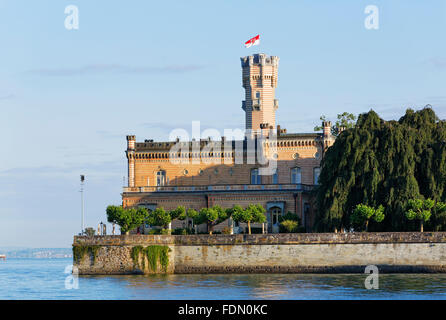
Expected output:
(259, 59)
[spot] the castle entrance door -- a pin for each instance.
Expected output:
(273, 219)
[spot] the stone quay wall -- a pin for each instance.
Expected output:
(261, 253)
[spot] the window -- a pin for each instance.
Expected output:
(275, 177)
(258, 95)
(316, 172)
(296, 176)
(161, 178)
(255, 177)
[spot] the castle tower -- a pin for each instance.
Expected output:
(259, 78)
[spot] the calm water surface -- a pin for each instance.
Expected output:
(45, 279)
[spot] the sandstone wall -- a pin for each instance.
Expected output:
(317, 252)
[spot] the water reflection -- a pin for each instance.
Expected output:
(281, 286)
(44, 279)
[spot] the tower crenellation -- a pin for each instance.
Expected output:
(259, 78)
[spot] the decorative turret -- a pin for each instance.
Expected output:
(131, 159)
(326, 125)
(131, 142)
(328, 138)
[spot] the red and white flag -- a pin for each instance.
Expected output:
(253, 41)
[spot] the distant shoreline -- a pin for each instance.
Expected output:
(37, 253)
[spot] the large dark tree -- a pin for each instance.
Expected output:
(384, 163)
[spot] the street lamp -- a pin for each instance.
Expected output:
(82, 204)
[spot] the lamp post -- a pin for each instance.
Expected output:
(82, 203)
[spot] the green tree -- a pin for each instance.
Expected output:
(439, 216)
(191, 213)
(363, 213)
(184, 214)
(159, 217)
(180, 211)
(211, 216)
(344, 120)
(418, 209)
(234, 211)
(253, 213)
(384, 163)
(127, 219)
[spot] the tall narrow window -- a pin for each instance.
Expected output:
(275, 177)
(161, 178)
(255, 177)
(296, 176)
(316, 172)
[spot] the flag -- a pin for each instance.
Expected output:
(253, 42)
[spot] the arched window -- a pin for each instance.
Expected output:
(316, 172)
(161, 178)
(255, 177)
(296, 175)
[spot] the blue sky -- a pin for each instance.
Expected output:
(69, 98)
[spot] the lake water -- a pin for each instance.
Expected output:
(45, 279)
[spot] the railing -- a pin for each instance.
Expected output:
(220, 188)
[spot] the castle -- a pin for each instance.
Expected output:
(198, 174)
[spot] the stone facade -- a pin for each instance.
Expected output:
(317, 252)
(198, 174)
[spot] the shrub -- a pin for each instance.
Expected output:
(289, 226)
(89, 231)
(181, 231)
(154, 231)
(289, 216)
(226, 230)
(256, 230)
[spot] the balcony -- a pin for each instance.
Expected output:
(221, 188)
(256, 102)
